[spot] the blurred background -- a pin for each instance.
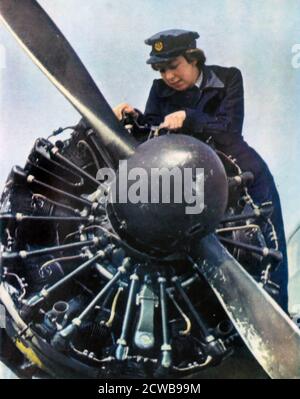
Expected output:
(261, 37)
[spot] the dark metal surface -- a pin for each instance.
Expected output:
(167, 226)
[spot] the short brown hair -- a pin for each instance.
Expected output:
(195, 54)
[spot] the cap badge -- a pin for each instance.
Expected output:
(158, 46)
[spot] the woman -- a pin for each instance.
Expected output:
(208, 103)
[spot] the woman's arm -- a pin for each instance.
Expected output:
(227, 122)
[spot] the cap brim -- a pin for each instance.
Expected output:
(159, 60)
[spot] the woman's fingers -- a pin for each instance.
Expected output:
(123, 108)
(174, 121)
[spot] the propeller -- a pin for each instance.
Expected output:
(268, 332)
(266, 329)
(51, 52)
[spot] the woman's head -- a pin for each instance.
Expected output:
(175, 56)
(178, 73)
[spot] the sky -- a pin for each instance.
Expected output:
(260, 37)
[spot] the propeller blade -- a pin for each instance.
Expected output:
(268, 332)
(48, 48)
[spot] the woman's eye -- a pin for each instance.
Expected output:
(171, 68)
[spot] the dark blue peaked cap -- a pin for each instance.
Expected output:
(169, 44)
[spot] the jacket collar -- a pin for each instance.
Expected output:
(210, 81)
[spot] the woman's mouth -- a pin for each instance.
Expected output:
(177, 84)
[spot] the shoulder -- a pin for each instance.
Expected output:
(220, 77)
(225, 73)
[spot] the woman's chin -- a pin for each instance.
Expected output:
(180, 86)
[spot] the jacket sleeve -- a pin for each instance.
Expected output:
(152, 114)
(151, 117)
(227, 122)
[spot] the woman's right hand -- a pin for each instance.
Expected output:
(124, 108)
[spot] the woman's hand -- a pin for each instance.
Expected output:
(173, 121)
(124, 108)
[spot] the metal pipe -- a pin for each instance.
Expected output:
(26, 254)
(166, 346)
(237, 218)
(57, 204)
(63, 337)
(203, 329)
(44, 293)
(121, 270)
(183, 315)
(122, 348)
(277, 255)
(56, 153)
(32, 180)
(109, 322)
(19, 217)
(264, 211)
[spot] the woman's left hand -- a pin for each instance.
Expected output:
(173, 121)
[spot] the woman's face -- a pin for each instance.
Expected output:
(180, 74)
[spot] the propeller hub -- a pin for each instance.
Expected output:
(176, 188)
